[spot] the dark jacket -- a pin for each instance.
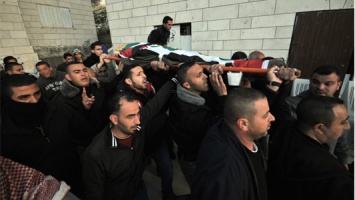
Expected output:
(223, 170)
(115, 172)
(62, 67)
(301, 168)
(157, 126)
(97, 116)
(189, 121)
(47, 144)
(284, 109)
(50, 87)
(159, 36)
(91, 60)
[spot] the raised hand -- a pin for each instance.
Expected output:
(271, 76)
(87, 101)
(217, 83)
(215, 68)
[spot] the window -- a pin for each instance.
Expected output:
(54, 16)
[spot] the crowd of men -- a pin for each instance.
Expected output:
(97, 130)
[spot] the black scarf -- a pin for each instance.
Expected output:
(26, 114)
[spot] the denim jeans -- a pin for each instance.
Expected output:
(142, 193)
(165, 168)
(188, 169)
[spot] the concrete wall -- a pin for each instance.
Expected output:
(23, 36)
(219, 27)
(14, 38)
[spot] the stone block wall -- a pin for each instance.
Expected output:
(23, 36)
(14, 38)
(219, 27)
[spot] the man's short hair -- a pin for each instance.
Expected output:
(127, 71)
(327, 70)
(166, 19)
(239, 55)
(10, 66)
(316, 109)
(240, 103)
(15, 80)
(42, 63)
(93, 45)
(181, 73)
(67, 55)
(71, 63)
(114, 101)
(8, 58)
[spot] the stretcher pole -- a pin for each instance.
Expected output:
(224, 68)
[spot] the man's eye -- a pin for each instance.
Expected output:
(315, 81)
(344, 122)
(329, 84)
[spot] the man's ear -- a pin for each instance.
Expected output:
(339, 84)
(243, 124)
(128, 81)
(114, 119)
(67, 76)
(92, 51)
(186, 85)
(318, 128)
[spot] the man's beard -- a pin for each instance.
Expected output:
(126, 130)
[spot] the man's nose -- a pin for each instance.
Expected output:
(322, 86)
(33, 99)
(137, 120)
(347, 126)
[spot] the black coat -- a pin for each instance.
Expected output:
(53, 150)
(157, 127)
(301, 168)
(223, 169)
(113, 171)
(159, 36)
(91, 60)
(97, 116)
(188, 124)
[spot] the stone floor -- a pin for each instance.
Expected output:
(152, 181)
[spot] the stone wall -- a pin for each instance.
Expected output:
(24, 36)
(14, 38)
(219, 27)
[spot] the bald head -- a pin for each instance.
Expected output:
(256, 55)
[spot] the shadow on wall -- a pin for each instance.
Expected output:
(54, 55)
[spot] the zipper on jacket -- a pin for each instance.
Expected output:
(40, 128)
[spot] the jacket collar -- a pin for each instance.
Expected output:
(69, 90)
(110, 139)
(189, 97)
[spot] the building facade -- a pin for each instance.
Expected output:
(33, 30)
(218, 27)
